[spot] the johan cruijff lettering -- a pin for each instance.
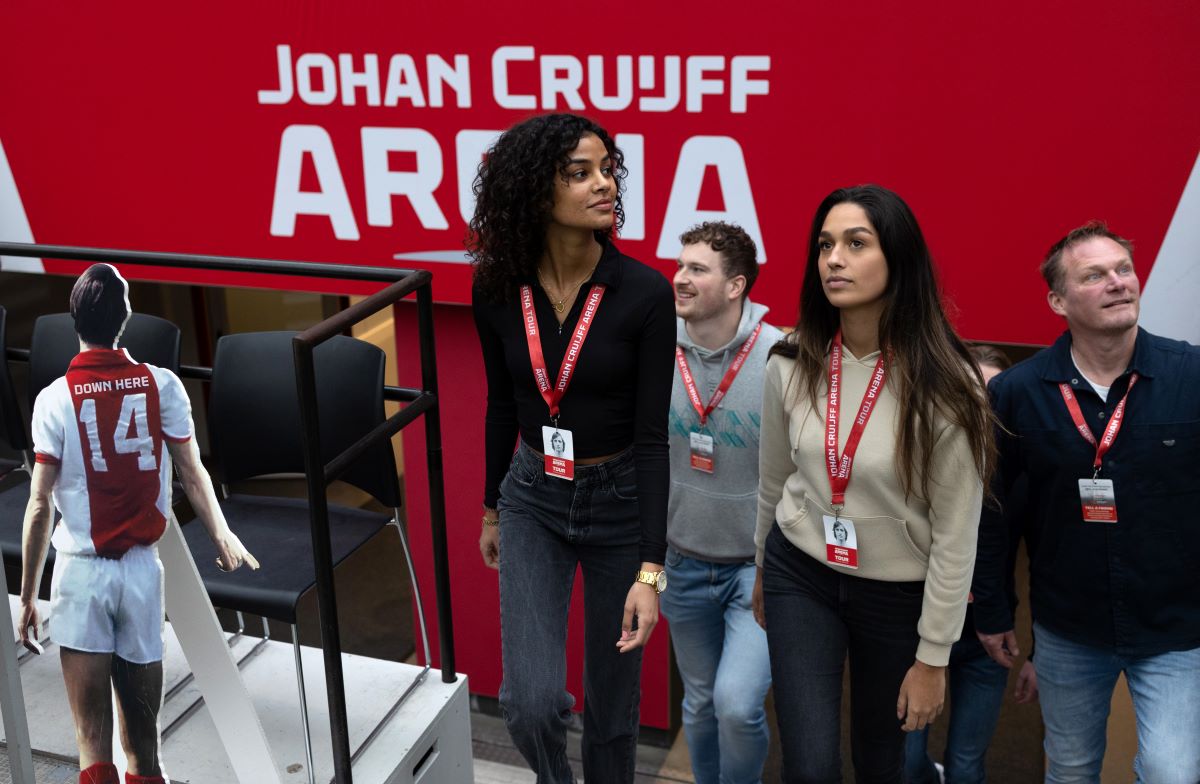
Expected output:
(664, 82)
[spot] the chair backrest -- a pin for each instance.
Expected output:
(12, 425)
(147, 338)
(254, 409)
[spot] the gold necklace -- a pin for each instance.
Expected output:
(561, 304)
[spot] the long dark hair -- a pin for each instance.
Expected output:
(514, 193)
(930, 369)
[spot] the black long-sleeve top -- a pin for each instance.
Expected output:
(1132, 586)
(620, 392)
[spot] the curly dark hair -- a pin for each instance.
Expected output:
(514, 193)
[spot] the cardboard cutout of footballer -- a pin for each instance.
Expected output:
(105, 437)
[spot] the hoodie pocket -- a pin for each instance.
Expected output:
(883, 541)
(796, 521)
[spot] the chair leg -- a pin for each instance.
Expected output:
(412, 574)
(312, 776)
(424, 642)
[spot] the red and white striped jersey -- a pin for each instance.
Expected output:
(104, 423)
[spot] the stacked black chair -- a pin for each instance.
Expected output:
(255, 430)
(14, 471)
(53, 346)
(12, 427)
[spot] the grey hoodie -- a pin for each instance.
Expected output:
(712, 516)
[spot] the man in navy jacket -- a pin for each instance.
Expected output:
(1105, 427)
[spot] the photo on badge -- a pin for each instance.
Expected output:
(559, 448)
(841, 542)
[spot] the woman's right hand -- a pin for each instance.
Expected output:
(756, 599)
(489, 545)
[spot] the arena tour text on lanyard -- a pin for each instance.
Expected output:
(841, 541)
(557, 445)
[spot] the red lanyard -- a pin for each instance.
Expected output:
(552, 395)
(690, 384)
(839, 467)
(1110, 432)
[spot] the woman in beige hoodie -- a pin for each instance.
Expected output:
(876, 446)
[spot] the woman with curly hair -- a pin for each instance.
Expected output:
(876, 446)
(578, 344)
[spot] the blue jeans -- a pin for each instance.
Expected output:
(548, 528)
(977, 685)
(1075, 686)
(815, 617)
(722, 656)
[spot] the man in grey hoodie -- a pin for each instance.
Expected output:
(714, 431)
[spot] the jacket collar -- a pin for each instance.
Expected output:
(1060, 368)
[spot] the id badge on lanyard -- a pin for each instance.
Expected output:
(1097, 497)
(1098, 500)
(841, 541)
(701, 446)
(558, 444)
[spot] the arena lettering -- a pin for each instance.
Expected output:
(417, 186)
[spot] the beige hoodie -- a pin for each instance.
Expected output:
(898, 539)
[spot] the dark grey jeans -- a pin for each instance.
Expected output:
(815, 618)
(548, 528)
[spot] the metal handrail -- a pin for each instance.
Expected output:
(423, 402)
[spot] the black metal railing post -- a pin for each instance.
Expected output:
(318, 515)
(437, 493)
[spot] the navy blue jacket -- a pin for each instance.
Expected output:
(1132, 587)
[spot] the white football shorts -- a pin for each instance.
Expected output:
(105, 605)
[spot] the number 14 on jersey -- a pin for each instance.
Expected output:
(133, 412)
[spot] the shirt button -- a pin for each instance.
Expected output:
(1100, 415)
(1075, 381)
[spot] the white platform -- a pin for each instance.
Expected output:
(428, 741)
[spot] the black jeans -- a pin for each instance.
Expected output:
(549, 528)
(815, 616)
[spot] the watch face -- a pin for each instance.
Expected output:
(662, 582)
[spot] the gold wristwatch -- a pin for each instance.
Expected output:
(656, 579)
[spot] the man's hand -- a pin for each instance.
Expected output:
(1027, 688)
(232, 552)
(29, 617)
(922, 696)
(489, 546)
(1001, 647)
(756, 599)
(641, 603)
